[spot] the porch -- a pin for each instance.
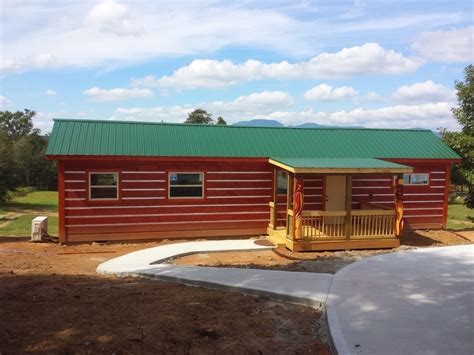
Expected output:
(337, 225)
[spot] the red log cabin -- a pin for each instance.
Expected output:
(306, 188)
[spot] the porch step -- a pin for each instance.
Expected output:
(276, 237)
(276, 241)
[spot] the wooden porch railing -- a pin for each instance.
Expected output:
(320, 224)
(331, 224)
(372, 223)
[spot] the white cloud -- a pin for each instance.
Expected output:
(373, 96)
(430, 116)
(325, 92)
(111, 33)
(406, 20)
(112, 17)
(175, 114)
(49, 92)
(108, 33)
(261, 103)
(275, 105)
(265, 98)
(427, 91)
(369, 58)
(446, 46)
(44, 120)
(254, 104)
(117, 94)
(4, 103)
(107, 11)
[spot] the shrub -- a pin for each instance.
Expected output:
(19, 192)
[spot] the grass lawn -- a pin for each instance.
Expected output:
(16, 215)
(459, 216)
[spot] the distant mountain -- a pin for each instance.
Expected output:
(436, 133)
(275, 123)
(310, 125)
(259, 123)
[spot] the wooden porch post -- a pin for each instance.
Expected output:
(298, 197)
(289, 195)
(398, 228)
(274, 204)
(348, 218)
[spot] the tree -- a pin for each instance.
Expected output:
(23, 154)
(7, 182)
(221, 121)
(199, 116)
(17, 123)
(464, 113)
(463, 142)
(29, 155)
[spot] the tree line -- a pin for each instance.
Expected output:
(462, 142)
(23, 154)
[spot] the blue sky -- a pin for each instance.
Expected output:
(366, 63)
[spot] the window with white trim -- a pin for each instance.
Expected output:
(186, 185)
(103, 186)
(416, 179)
(282, 182)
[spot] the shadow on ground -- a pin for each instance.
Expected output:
(13, 239)
(432, 238)
(21, 207)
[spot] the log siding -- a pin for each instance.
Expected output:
(235, 202)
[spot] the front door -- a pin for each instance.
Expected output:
(335, 193)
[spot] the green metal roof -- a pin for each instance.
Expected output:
(88, 137)
(339, 163)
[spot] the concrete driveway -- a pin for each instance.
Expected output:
(414, 302)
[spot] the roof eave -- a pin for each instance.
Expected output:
(360, 170)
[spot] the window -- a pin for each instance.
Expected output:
(103, 186)
(282, 182)
(186, 185)
(416, 179)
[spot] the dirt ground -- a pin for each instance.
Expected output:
(52, 301)
(327, 262)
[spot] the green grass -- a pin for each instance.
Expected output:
(21, 226)
(36, 201)
(26, 208)
(459, 216)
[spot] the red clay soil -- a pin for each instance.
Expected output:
(52, 301)
(327, 262)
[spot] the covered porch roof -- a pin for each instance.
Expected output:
(339, 165)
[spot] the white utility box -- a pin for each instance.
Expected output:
(39, 228)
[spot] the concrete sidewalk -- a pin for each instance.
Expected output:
(143, 259)
(297, 287)
(414, 302)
